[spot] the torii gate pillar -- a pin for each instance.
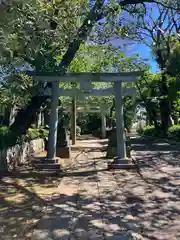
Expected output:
(53, 123)
(73, 121)
(120, 135)
(120, 161)
(103, 123)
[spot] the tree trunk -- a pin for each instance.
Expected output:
(12, 115)
(7, 113)
(154, 118)
(27, 116)
(151, 114)
(149, 120)
(165, 111)
(165, 115)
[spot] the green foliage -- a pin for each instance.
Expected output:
(149, 95)
(89, 122)
(39, 33)
(140, 131)
(173, 62)
(128, 112)
(4, 130)
(16, 90)
(34, 133)
(174, 132)
(7, 138)
(150, 131)
(36, 31)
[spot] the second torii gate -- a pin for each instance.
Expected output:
(86, 91)
(90, 109)
(86, 80)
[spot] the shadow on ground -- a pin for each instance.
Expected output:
(95, 204)
(22, 199)
(126, 209)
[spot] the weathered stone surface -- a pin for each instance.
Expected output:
(63, 152)
(112, 145)
(63, 142)
(19, 154)
(62, 135)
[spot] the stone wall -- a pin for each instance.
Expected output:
(19, 154)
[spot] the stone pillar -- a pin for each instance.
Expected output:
(120, 135)
(42, 118)
(73, 120)
(103, 124)
(53, 125)
(39, 119)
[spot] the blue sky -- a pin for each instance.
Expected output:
(145, 53)
(142, 49)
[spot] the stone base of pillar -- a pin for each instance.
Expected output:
(103, 136)
(63, 152)
(121, 164)
(49, 165)
(48, 161)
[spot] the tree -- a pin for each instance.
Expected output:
(35, 39)
(97, 11)
(148, 96)
(173, 63)
(156, 33)
(99, 58)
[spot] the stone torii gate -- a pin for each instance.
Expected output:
(86, 88)
(102, 108)
(76, 93)
(89, 109)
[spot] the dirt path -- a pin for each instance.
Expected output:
(93, 203)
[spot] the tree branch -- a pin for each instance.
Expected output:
(95, 14)
(134, 2)
(174, 21)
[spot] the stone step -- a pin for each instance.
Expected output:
(121, 166)
(49, 161)
(48, 166)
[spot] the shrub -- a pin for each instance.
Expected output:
(43, 133)
(4, 130)
(140, 131)
(150, 131)
(174, 131)
(34, 133)
(97, 132)
(8, 138)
